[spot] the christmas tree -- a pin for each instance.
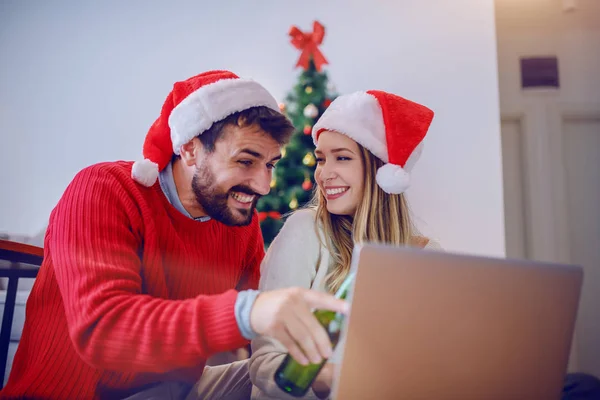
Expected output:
(293, 178)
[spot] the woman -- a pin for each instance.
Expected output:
(366, 144)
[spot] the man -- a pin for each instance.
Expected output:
(137, 287)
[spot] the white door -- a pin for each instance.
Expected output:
(573, 169)
(514, 188)
(581, 155)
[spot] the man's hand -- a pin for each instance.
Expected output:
(322, 385)
(286, 315)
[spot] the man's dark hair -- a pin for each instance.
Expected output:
(272, 122)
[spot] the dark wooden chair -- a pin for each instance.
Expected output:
(23, 262)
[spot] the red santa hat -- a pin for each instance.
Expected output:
(389, 126)
(190, 109)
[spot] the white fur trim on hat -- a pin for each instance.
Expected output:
(393, 179)
(358, 116)
(145, 172)
(211, 103)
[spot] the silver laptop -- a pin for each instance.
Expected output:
(438, 326)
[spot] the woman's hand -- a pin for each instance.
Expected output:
(322, 385)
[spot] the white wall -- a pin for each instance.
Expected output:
(544, 28)
(86, 80)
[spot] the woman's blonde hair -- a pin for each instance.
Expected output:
(379, 218)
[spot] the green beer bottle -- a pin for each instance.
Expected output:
(295, 378)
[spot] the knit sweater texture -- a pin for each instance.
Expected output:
(131, 292)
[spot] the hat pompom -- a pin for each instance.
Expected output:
(393, 179)
(145, 172)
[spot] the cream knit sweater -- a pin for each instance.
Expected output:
(295, 258)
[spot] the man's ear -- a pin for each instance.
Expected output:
(190, 151)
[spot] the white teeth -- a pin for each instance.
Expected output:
(242, 198)
(335, 191)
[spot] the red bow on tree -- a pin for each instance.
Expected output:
(309, 43)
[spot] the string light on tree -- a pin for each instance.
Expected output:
(273, 183)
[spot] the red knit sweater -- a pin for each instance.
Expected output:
(131, 292)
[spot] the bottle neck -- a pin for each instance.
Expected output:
(342, 292)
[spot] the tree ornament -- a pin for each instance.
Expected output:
(307, 129)
(282, 107)
(263, 215)
(308, 43)
(309, 160)
(294, 203)
(308, 90)
(273, 183)
(283, 152)
(307, 184)
(311, 111)
(326, 103)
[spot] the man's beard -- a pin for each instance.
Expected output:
(214, 201)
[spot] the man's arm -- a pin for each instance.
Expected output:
(249, 281)
(113, 325)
